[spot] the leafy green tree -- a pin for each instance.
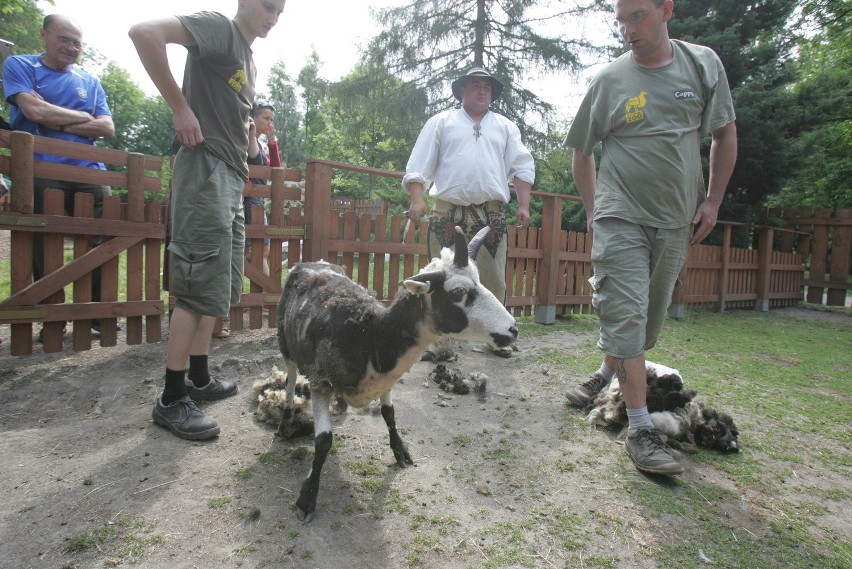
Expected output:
(20, 21)
(313, 92)
(288, 119)
(822, 130)
(755, 45)
(375, 118)
(379, 116)
(125, 100)
(430, 42)
(154, 133)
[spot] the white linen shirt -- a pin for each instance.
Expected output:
(464, 169)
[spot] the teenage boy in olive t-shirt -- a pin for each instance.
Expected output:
(647, 203)
(210, 171)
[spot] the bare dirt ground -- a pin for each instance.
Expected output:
(87, 480)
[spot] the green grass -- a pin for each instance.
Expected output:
(6, 277)
(220, 502)
(786, 383)
(124, 539)
(775, 504)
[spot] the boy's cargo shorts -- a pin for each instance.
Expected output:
(208, 233)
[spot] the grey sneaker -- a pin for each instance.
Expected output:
(649, 453)
(215, 389)
(185, 419)
(580, 395)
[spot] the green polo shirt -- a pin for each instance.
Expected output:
(650, 122)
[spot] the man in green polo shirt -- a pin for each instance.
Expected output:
(647, 203)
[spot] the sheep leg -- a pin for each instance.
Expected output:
(396, 444)
(285, 427)
(307, 502)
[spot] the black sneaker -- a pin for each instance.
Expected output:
(580, 395)
(650, 454)
(215, 389)
(185, 419)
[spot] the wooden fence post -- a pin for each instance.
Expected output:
(317, 210)
(23, 179)
(803, 240)
(841, 248)
(84, 206)
(764, 269)
(135, 254)
(276, 219)
(153, 323)
(548, 273)
(725, 275)
(819, 255)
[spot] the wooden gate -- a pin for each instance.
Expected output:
(135, 228)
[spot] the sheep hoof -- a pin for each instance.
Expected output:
(402, 457)
(305, 517)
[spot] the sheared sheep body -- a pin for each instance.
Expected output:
(350, 345)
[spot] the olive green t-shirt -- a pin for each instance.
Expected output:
(218, 83)
(650, 122)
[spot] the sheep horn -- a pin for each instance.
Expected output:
(476, 242)
(461, 257)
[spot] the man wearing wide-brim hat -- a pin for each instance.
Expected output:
(496, 86)
(467, 158)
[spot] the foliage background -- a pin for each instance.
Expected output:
(788, 66)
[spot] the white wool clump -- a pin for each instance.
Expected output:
(271, 396)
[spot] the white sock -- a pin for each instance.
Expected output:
(605, 372)
(638, 419)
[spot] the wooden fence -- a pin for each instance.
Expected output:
(134, 227)
(548, 269)
(547, 273)
(824, 239)
(135, 230)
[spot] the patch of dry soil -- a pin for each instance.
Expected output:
(81, 458)
(80, 453)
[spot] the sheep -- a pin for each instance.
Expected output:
(349, 345)
(686, 424)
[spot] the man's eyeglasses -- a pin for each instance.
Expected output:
(634, 19)
(65, 40)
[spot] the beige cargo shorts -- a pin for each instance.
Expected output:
(635, 271)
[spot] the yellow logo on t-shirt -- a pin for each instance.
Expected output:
(238, 80)
(633, 109)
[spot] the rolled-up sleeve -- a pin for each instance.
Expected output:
(424, 156)
(519, 158)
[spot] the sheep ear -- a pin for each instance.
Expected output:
(428, 279)
(416, 287)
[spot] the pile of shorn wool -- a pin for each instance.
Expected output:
(685, 424)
